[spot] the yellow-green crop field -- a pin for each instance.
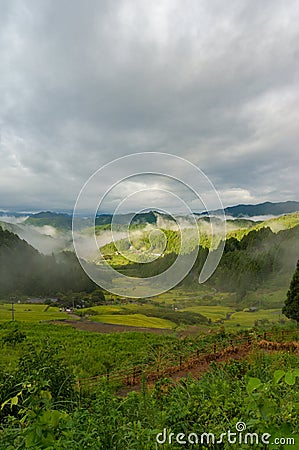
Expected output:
(136, 320)
(26, 312)
(211, 312)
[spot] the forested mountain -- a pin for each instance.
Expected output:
(258, 258)
(24, 270)
(251, 258)
(63, 221)
(261, 209)
(57, 220)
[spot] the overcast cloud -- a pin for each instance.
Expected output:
(82, 83)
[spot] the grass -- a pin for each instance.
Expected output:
(137, 320)
(85, 352)
(103, 309)
(267, 298)
(247, 319)
(26, 312)
(243, 319)
(211, 312)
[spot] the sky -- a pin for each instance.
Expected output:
(83, 83)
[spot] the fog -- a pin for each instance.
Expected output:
(13, 219)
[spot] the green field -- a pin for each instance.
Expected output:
(247, 319)
(147, 314)
(136, 320)
(211, 312)
(26, 312)
(86, 353)
(244, 319)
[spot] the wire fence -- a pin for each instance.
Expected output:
(285, 340)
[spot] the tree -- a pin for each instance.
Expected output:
(291, 308)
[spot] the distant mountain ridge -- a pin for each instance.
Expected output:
(63, 221)
(261, 209)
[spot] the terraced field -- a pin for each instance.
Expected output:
(136, 320)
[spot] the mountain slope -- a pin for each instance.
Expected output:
(261, 209)
(23, 270)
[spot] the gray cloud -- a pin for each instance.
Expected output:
(82, 83)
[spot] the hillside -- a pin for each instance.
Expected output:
(261, 209)
(237, 228)
(260, 263)
(63, 221)
(23, 270)
(57, 220)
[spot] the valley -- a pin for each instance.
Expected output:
(73, 347)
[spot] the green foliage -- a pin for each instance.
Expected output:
(24, 270)
(13, 337)
(257, 258)
(57, 220)
(238, 391)
(291, 308)
(147, 311)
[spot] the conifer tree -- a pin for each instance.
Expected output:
(291, 308)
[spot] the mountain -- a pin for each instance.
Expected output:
(262, 262)
(24, 271)
(57, 220)
(261, 209)
(63, 221)
(150, 217)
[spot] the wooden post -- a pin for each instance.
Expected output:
(215, 348)
(197, 354)
(181, 361)
(12, 309)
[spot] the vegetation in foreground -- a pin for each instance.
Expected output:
(41, 408)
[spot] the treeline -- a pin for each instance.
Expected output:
(166, 241)
(246, 264)
(23, 270)
(259, 256)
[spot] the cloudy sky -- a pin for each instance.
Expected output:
(84, 82)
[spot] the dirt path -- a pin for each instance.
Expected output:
(196, 368)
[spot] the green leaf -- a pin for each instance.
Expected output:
(290, 378)
(268, 408)
(5, 403)
(278, 374)
(14, 400)
(46, 394)
(253, 384)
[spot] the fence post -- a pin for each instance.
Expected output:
(197, 354)
(265, 335)
(181, 361)
(215, 347)
(107, 374)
